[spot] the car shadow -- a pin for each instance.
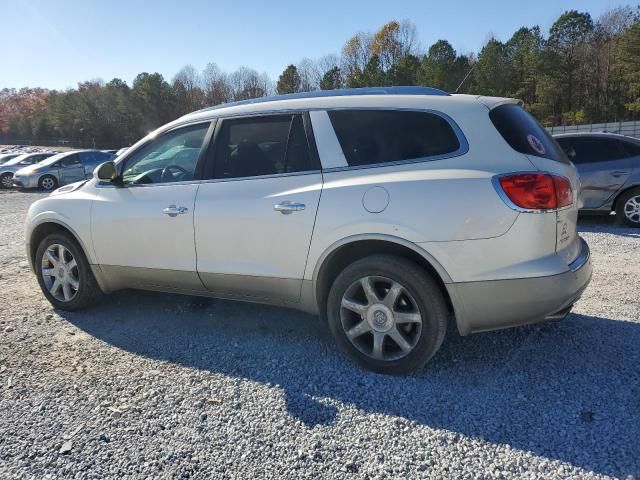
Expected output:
(562, 390)
(595, 223)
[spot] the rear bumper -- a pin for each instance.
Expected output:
(497, 304)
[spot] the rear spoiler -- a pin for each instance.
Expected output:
(493, 102)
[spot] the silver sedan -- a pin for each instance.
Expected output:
(61, 169)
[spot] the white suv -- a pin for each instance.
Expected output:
(388, 211)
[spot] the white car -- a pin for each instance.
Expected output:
(388, 211)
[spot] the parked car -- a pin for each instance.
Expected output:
(609, 169)
(9, 168)
(7, 157)
(60, 169)
(388, 211)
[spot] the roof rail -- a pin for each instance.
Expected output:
(346, 92)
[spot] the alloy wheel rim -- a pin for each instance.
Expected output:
(632, 209)
(47, 183)
(7, 181)
(380, 318)
(60, 272)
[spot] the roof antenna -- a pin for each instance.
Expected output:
(465, 77)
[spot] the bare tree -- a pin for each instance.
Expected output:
(310, 75)
(217, 88)
(186, 83)
(356, 53)
(247, 83)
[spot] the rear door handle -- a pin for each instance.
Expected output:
(174, 211)
(619, 174)
(287, 207)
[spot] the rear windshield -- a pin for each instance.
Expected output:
(524, 134)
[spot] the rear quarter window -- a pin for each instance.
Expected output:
(370, 137)
(524, 134)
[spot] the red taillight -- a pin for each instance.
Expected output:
(537, 191)
(564, 194)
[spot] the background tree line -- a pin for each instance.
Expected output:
(583, 70)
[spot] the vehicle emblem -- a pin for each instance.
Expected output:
(536, 144)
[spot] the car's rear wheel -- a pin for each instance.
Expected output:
(6, 180)
(387, 313)
(47, 182)
(64, 274)
(628, 208)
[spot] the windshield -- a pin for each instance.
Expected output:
(5, 158)
(16, 160)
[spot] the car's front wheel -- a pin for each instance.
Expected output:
(387, 313)
(6, 180)
(628, 208)
(47, 182)
(64, 274)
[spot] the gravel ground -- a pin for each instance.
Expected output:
(159, 386)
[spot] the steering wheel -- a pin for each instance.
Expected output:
(166, 175)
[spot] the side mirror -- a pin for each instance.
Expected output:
(105, 172)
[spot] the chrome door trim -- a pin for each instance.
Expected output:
(259, 177)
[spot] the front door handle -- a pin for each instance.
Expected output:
(174, 211)
(287, 208)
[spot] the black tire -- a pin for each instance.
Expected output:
(6, 180)
(46, 185)
(88, 292)
(624, 203)
(422, 291)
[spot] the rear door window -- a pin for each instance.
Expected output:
(596, 149)
(70, 160)
(632, 149)
(379, 136)
(524, 134)
(258, 146)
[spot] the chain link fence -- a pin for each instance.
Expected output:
(631, 129)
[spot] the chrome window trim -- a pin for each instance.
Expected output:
(210, 180)
(102, 184)
(462, 149)
(219, 123)
(260, 177)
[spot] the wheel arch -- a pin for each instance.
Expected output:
(348, 250)
(47, 227)
(614, 204)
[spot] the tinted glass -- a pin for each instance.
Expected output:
(169, 158)
(632, 149)
(594, 149)
(70, 161)
(259, 146)
(96, 156)
(378, 136)
(524, 134)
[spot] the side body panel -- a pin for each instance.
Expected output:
(444, 202)
(602, 180)
(130, 231)
(245, 247)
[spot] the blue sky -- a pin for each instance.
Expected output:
(57, 43)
